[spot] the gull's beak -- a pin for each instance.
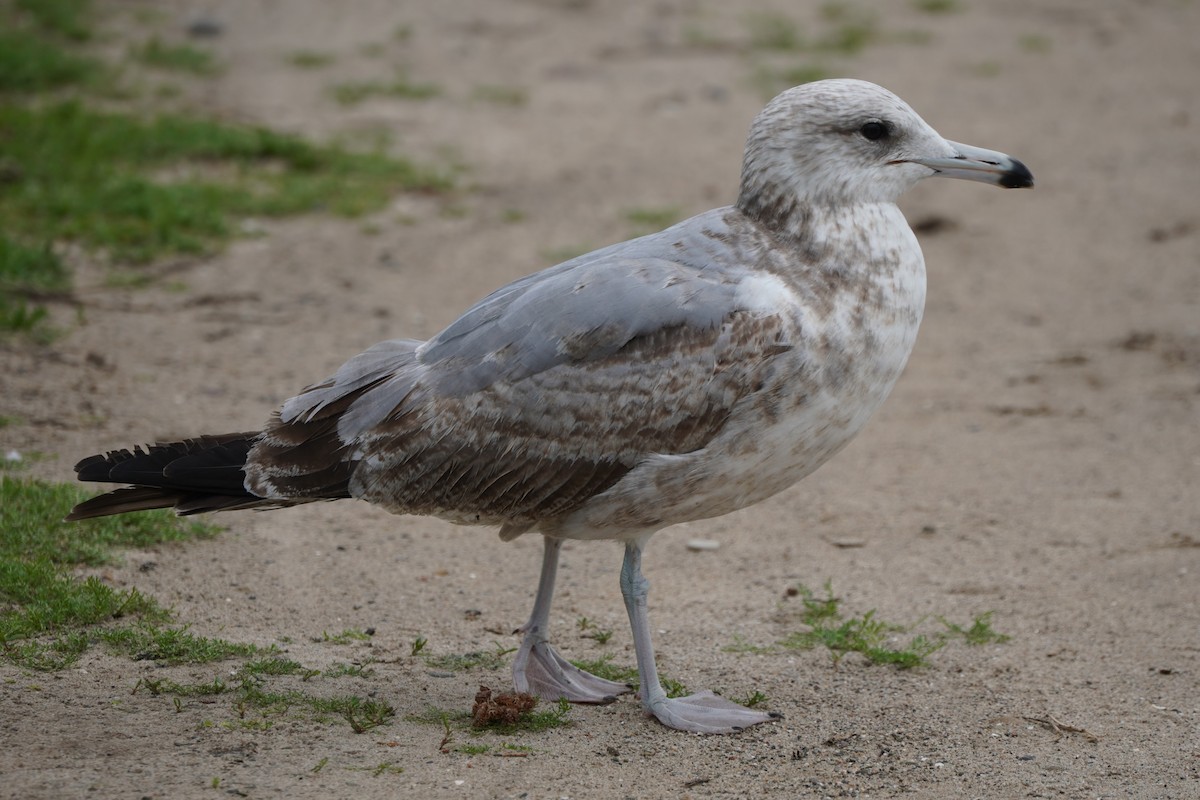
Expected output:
(976, 164)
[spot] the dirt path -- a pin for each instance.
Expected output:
(1040, 458)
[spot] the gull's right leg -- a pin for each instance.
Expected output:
(538, 668)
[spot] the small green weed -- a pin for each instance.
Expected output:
(363, 715)
(477, 659)
(309, 59)
(592, 631)
(277, 666)
(980, 632)
(348, 670)
(1035, 43)
(401, 88)
(346, 637)
(418, 645)
(937, 6)
(383, 768)
(70, 19)
(604, 668)
(755, 698)
(29, 65)
(178, 58)
(770, 31)
(148, 641)
(473, 749)
(867, 635)
(652, 219)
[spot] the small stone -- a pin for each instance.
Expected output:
(699, 545)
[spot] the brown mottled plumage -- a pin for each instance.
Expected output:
(674, 377)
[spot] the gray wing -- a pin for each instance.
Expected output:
(539, 397)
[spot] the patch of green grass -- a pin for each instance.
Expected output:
(350, 670)
(251, 696)
(980, 631)
(362, 715)
(70, 19)
(29, 64)
(18, 316)
(652, 219)
(771, 31)
(347, 636)
(159, 686)
(473, 749)
(30, 271)
(1035, 43)
(937, 6)
(478, 659)
(418, 645)
(401, 88)
(31, 526)
(44, 610)
(177, 58)
(148, 641)
(867, 635)
(144, 188)
(277, 666)
(853, 28)
(309, 59)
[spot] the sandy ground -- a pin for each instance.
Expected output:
(1040, 457)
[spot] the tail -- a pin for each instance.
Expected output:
(193, 476)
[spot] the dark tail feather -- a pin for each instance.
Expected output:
(192, 476)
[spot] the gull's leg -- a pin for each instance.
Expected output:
(538, 668)
(703, 712)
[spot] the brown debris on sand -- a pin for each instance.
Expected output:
(501, 709)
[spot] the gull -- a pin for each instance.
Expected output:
(674, 377)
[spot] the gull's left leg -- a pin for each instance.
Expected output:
(538, 668)
(703, 712)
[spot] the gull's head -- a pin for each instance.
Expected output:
(846, 141)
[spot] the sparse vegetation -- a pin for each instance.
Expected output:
(770, 31)
(649, 220)
(937, 6)
(604, 668)
(493, 659)
(28, 64)
(69, 19)
(828, 627)
(401, 88)
(139, 187)
(309, 59)
(178, 57)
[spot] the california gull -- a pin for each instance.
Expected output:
(675, 377)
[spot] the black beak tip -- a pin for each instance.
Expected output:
(1018, 176)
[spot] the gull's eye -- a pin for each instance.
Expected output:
(873, 130)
